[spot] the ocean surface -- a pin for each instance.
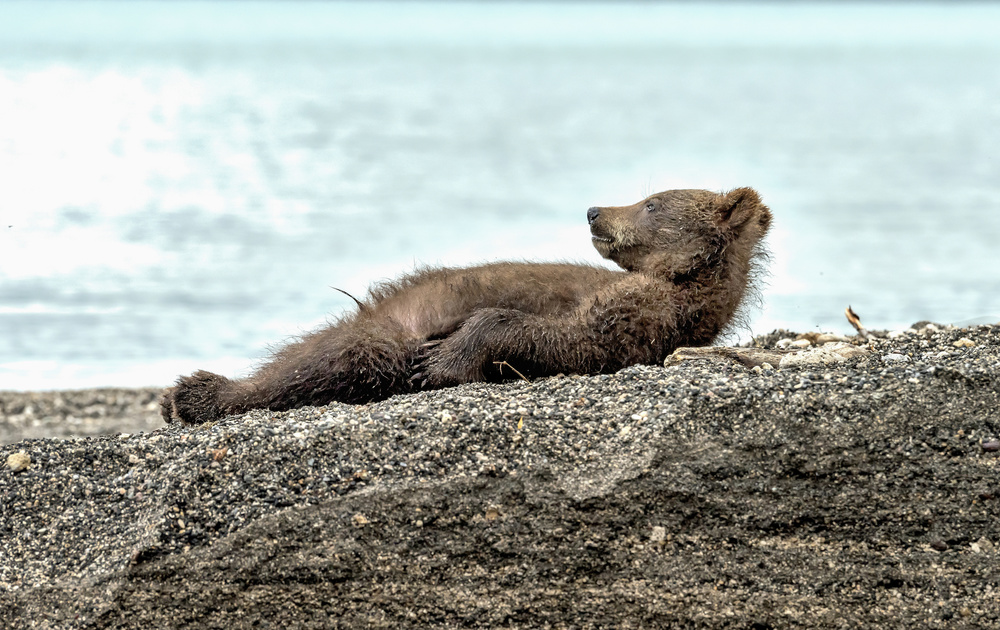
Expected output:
(182, 183)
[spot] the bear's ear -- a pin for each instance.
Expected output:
(736, 207)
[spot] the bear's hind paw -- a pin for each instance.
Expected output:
(194, 399)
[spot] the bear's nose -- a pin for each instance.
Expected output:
(592, 215)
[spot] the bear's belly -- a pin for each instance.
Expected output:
(434, 304)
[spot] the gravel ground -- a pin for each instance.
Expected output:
(705, 494)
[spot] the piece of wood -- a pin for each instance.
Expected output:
(750, 357)
(855, 321)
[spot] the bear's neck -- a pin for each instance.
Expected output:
(709, 288)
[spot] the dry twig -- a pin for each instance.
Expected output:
(503, 363)
(855, 321)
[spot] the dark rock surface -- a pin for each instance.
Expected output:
(705, 494)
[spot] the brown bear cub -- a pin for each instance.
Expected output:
(687, 257)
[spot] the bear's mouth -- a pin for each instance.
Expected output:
(603, 244)
(601, 238)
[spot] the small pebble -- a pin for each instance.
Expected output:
(823, 338)
(964, 342)
(893, 357)
(939, 545)
(800, 343)
(659, 534)
(18, 462)
(988, 445)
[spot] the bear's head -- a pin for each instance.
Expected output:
(678, 233)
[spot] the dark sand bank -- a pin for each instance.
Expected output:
(706, 494)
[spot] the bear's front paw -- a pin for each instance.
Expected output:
(467, 355)
(452, 363)
(194, 399)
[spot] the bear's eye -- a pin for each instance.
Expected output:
(650, 207)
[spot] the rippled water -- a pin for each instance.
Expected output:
(181, 183)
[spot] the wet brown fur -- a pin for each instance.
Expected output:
(687, 257)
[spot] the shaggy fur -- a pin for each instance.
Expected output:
(687, 257)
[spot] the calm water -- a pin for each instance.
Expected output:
(181, 183)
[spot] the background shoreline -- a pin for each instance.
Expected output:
(78, 413)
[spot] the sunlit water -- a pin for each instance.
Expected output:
(182, 183)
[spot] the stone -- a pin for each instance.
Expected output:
(823, 338)
(895, 357)
(18, 462)
(830, 353)
(818, 338)
(658, 534)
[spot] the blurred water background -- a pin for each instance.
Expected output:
(181, 183)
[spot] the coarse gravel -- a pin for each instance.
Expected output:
(704, 494)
